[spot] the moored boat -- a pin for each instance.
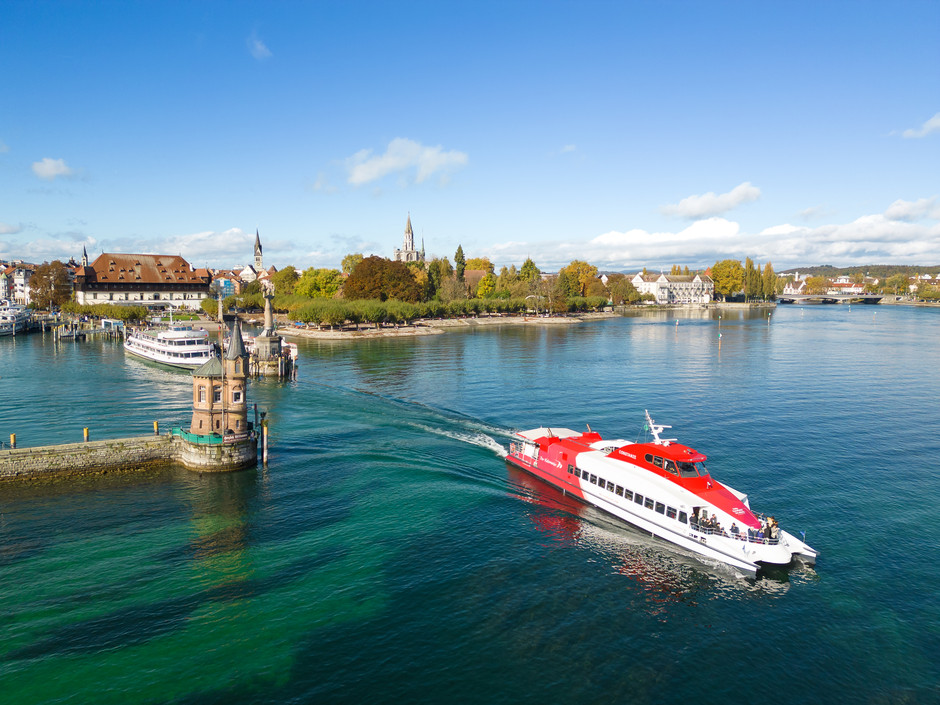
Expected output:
(662, 487)
(174, 346)
(14, 318)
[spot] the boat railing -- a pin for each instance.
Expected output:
(708, 531)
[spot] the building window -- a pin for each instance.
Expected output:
(217, 394)
(237, 397)
(202, 396)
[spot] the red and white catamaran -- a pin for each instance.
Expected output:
(661, 487)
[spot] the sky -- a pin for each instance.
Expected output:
(627, 134)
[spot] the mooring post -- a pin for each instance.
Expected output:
(156, 428)
(13, 440)
(85, 433)
(264, 442)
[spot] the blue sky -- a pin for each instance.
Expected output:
(628, 134)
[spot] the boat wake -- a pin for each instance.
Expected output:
(472, 437)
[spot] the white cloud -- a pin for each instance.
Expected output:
(7, 229)
(869, 239)
(568, 148)
(913, 210)
(258, 48)
(48, 169)
(932, 125)
(712, 204)
(403, 155)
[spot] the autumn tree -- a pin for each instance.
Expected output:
(816, 285)
(350, 261)
(50, 286)
(752, 280)
(579, 274)
(487, 286)
(728, 276)
(481, 263)
(379, 278)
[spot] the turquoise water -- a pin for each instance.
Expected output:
(388, 554)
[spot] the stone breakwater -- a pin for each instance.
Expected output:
(124, 455)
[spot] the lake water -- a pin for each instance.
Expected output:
(388, 554)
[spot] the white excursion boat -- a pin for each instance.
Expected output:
(175, 346)
(661, 487)
(14, 318)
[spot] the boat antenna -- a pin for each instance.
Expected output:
(656, 429)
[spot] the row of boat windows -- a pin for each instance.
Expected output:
(680, 468)
(181, 355)
(636, 497)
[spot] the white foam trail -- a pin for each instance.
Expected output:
(477, 439)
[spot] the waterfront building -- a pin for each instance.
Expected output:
(220, 405)
(797, 286)
(408, 253)
(676, 288)
(155, 281)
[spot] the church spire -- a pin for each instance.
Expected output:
(258, 259)
(84, 256)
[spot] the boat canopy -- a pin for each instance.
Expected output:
(542, 432)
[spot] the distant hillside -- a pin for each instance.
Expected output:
(882, 271)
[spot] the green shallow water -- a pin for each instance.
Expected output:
(388, 554)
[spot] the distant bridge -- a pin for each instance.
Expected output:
(829, 298)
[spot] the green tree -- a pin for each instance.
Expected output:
(285, 280)
(49, 286)
(438, 271)
(752, 280)
(529, 272)
(898, 283)
(460, 263)
(769, 283)
(728, 275)
(350, 262)
(319, 283)
(622, 290)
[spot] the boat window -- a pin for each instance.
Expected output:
(628, 494)
(683, 517)
(619, 491)
(638, 498)
(702, 470)
(671, 467)
(610, 486)
(671, 512)
(687, 469)
(657, 461)
(593, 479)
(570, 469)
(649, 457)
(648, 503)
(660, 508)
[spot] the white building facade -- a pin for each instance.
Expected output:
(676, 288)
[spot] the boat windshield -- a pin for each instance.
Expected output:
(692, 469)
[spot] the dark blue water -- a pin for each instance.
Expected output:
(388, 554)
